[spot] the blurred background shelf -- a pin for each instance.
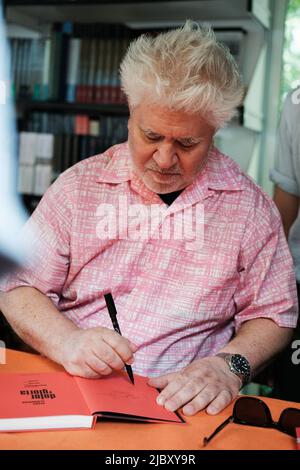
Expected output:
(252, 29)
(57, 106)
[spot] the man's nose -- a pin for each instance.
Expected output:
(165, 155)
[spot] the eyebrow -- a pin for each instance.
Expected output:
(190, 140)
(186, 140)
(149, 131)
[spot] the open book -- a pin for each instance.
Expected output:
(56, 400)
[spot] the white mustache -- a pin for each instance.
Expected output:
(162, 172)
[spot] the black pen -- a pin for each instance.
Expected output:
(113, 316)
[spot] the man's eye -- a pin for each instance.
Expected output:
(187, 145)
(153, 138)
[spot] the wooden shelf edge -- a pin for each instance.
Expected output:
(90, 108)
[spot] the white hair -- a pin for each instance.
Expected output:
(184, 69)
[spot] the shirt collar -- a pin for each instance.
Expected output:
(220, 173)
(118, 168)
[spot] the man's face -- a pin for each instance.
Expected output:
(168, 147)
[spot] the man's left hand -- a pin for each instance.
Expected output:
(205, 383)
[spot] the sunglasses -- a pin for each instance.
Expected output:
(255, 412)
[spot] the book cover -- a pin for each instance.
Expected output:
(73, 66)
(56, 400)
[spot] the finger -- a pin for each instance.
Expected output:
(119, 344)
(184, 392)
(107, 355)
(83, 370)
(99, 367)
(171, 389)
(200, 400)
(223, 399)
(133, 346)
(162, 381)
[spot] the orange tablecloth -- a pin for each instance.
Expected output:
(117, 436)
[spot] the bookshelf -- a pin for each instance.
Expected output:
(68, 98)
(87, 108)
(244, 25)
(143, 11)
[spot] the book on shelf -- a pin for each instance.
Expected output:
(35, 162)
(72, 72)
(50, 143)
(78, 62)
(72, 63)
(57, 400)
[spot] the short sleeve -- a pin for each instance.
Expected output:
(284, 173)
(49, 229)
(267, 286)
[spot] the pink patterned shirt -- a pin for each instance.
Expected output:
(177, 300)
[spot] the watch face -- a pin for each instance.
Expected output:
(240, 364)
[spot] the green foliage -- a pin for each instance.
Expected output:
(294, 7)
(291, 56)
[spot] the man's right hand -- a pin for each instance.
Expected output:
(96, 352)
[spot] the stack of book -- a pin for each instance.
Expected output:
(51, 143)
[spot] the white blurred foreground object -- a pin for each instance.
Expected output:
(12, 214)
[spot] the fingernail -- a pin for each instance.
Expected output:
(133, 346)
(130, 361)
(159, 401)
(212, 410)
(188, 410)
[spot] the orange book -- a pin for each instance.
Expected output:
(56, 400)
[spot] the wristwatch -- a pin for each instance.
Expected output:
(239, 365)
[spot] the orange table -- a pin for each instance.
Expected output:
(117, 436)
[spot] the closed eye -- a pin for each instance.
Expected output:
(187, 145)
(153, 138)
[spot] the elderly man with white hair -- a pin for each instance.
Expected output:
(199, 316)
